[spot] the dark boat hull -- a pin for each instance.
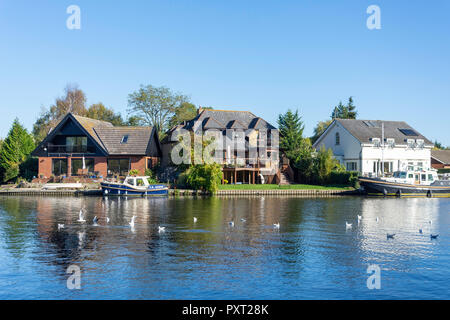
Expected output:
(378, 187)
(115, 189)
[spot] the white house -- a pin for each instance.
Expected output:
(368, 146)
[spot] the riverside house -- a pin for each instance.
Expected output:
(239, 164)
(373, 146)
(440, 159)
(80, 146)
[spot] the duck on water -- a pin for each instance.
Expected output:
(418, 183)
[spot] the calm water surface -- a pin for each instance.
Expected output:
(311, 256)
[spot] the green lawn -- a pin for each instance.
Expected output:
(277, 187)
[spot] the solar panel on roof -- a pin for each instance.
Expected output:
(408, 132)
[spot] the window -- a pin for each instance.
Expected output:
(77, 166)
(130, 181)
(376, 142)
(408, 132)
(420, 143)
(410, 176)
(410, 143)
(410, 166)
(352, 166)
(338, 139)
(387, 166)
(59, 167)
(76, 144)
(140, 182)
(124, 139)
(419, 165)
(390, 142)
(423, 177)
(118, 166)
(430, 177)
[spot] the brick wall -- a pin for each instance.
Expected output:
(138, 163)
(101, 165)
(45, 167)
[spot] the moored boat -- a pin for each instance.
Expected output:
(423, 183)
(133, 186)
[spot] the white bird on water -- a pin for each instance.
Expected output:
(420, 231)
(359, 218)
(243, 220)
(376, 219)
(132, 221)
(231, 223)
(276, 225)
(348, 225)
(107, 219)
(195, 219)
(95, 221)
(161, 229)
(60, 226)
(81, 216)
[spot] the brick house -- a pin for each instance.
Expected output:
(238, 165)
(440, 159)
(104, 149)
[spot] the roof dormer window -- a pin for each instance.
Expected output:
(376, 142)
(124, 139)
(420, 143)
(390, 142)
(410, 143)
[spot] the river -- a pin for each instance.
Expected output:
(312, 255)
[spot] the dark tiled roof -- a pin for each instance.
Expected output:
(222, 120)
(365, 130)
(441, 155)
(89, 124)
(137, 144)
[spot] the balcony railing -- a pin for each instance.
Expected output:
(70, 149)
(251, 163)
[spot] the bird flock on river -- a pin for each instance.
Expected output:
(132, 223)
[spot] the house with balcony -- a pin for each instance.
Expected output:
(375, 147)
(80, 146)
(248, 150)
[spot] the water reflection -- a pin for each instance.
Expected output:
(311, 255)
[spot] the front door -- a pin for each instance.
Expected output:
(417, 178)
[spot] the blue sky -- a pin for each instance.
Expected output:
(261, 56)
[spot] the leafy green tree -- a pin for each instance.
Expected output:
(134, 121)
(98, 111)
(320, 129)
(206, 177)
(345, 111)
(184, 112)
(15, 150)
(440, 146)
(155, 105)
(303, 160)
(324, 163)
(73, 101)
(291, 128)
